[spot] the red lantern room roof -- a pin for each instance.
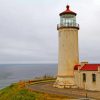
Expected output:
(68, 11)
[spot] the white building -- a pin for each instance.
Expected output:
(87, 76)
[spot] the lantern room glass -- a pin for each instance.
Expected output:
(68, 20)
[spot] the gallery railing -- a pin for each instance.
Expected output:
(68, 25)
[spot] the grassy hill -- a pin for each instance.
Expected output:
(14, 92)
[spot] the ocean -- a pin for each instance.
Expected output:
(11, 73)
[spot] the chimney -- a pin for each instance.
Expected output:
(79, 68)
(83, 63)
(98, 69)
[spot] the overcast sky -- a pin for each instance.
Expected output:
(28, 31)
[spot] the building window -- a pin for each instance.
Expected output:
(84, 77)
(93, 77)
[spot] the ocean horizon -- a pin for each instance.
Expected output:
(11, 73)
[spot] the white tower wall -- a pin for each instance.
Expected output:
(68, 57)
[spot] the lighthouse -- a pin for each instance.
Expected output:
(68, 54)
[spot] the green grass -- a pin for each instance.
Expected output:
(15, 92)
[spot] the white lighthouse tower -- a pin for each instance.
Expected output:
(68, 49)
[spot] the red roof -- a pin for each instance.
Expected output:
(67, 11)
(76, 67)
(90, 67)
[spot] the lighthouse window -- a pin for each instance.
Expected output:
(93, 77)
(61, 20)
(84, 77)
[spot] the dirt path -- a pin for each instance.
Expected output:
(75, 93)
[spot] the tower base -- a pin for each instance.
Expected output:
(65, 82)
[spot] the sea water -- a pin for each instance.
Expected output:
(10, 73)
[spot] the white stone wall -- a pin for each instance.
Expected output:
(68, 51)
(89, 84)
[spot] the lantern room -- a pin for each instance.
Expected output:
(68, 19)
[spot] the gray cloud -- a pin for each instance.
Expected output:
(28, 30)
